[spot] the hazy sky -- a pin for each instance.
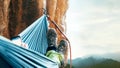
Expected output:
(93, 26)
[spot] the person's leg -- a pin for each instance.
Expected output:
(63, 49)
(51, 39)
(51, 48)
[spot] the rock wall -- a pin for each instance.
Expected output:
(16, 15)
(4, 11)
(57, 13)
(21, 14)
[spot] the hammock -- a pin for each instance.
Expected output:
(35, 35)
(12, 55)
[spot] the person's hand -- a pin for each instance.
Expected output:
(25, 45)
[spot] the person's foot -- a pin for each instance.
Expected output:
(62, 48)
(52, 37)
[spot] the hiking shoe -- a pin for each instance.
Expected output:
(62, 48)
(52, 37)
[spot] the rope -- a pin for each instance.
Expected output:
(64, 36)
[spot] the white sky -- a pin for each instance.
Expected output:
(93, 26)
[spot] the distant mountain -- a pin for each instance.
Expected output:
(108, 63)
(114, 56)
(86, 62)
(92, 62)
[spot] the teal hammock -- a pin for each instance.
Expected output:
(15, 56)
(35, 35)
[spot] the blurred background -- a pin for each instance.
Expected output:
(93, 26)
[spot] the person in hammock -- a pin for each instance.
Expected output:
(18, 41)
(53, 52)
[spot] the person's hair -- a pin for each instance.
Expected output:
(51, 37)
(15, 37)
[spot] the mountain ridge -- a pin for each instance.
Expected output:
(96, 61)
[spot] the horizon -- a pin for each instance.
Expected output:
(94, 29)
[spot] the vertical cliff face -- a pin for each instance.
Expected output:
(4, 4)
(21, 14)
(16, 15)
(57, 10)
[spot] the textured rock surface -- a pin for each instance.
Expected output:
(4, 4)
(16, 15)
(57, 13)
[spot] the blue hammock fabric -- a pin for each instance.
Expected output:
(14, 56)
(35, 35)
